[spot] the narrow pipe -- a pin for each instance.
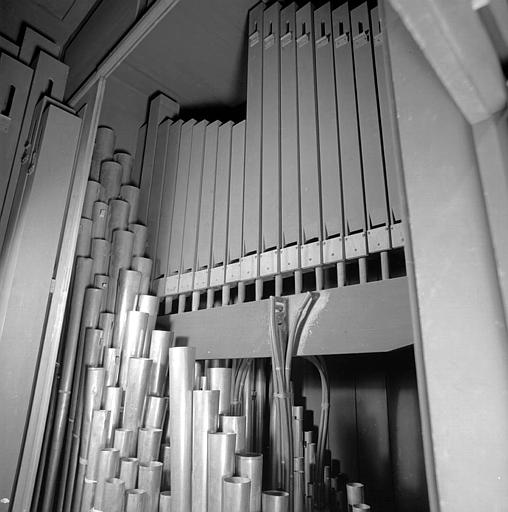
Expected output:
(297, 430)
(319, 278)
(220, 378)
(221, 463)
(109, 462)
(362, 269)
(102, 150)
(110, 179)
(130, 193)
(106, 323)
(123, 441)
(196, 297)
(98, 435)
(129, 467)
(84, 241)
(275, 501)
(198, 373)
(385, 265)
(237, 425)
(118, 217)
(299, 485)
(166, 467)
(298, 281)
(260, 387)
(92, 194)
(160, 343)
(100, 214)
(236, 493)
(135, 500)
(143, 265)
(100, 254)
(149, 479)
(114, 490)
(181, 381)
(155, 411)
(140, 239)
(126, 160)
(205, 415)
(88, 495)
(111, 366)
(121, 254)
(113, 403)
(250, 465)
(248, 409)
(210, 298)
(259, 288)
(165, 501)
(341, 274)
(355, 493)
(149, 444)
(128, 287)
(102, 281)
(307, 449)
(148, 304)
(132, 343)
(241, 292)
(181, 303)
(326, 484)
(226, 294)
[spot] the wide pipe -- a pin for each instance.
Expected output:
(130, 193)
(148, 304)
(355, 493)
(100, 215)
(121, 254)
(155, 411)
(84, 241)
(144, 265)
(205, 407)
(118, 217)
(360, 506)
(88, 495)
(165, 457)
(114, 490)
(126, 160)
(111, 180)
(275, 501)
(220, 378)
(102, 150)
(140, 239)
(109, 461)
(149, 444)
(123, 441)
(132, 344)
(98, 436)
(107, 324)
(149, 479)
(181, 380)
(113, 403)
(221, 463)
(165, 501)
(135, 500)
(237, 425)
(100, 253)
(92, 194)
(111, 366)
(129, 467)
(250, 465)
(159, 353)
(236, 494)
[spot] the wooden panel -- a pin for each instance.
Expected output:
(270, 161)
(374, 317)
(49, 77)
(168, 200)
(39, 225)
(372, 154)
(7, 46)
(161, 107)
(33, 42)
(307, 123)
(138, 156)
(15, 79)
(253, 130)
(178, 219)
(207, 196)
(327, 124)
(350, 159)
(236, 192)
(289, 129)
(155, 198)
(193, 197)
(387, 117)
(220, 216)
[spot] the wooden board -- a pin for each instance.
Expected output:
(33, 42)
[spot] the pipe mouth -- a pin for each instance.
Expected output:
(226, 434)
(129, 459)
(166, 493)
(136, 491)
(354, 484)
(115, 481)
(238, 480)
(249, 455)
(361, 506)
(281, 494)
(153, 464)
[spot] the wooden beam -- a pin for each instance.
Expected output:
(494, 16)
(373, 317)
(454, 41)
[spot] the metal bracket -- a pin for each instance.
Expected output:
(378, 239)
(233, 272)
(311, 255)
(5, 123)
(254, 39)
(322, 41)
(289, 259)
(185, 282)
(171, 285)
(217, 276)
(397, 235)
(342, 40)
(201, 279)
(302, 40)
(333, 250)
(355, 245)
(249, 267)
(268, 263)
(286, 39)
(269, 41)
(361, 39)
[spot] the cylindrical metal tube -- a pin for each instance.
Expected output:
(198, 373)
(298, 485)
(130, 193)
(148, 304)
(100, 255)
(181, 381)
(297, 411)
(135, 500)
(123, 442)
(149, 479)
(250, 465)
(220, 378)
(88, 495)
(98, 435)
(143, 265)
(114, 490)
(137, 384)
(102, 281)
(221, 463)
(92, 194)
(94, 345)
(165, 501)
(205, 407)
(111, 366)
(126, 161)
(132, 343)
(140, 238)
(109, 462)
(235, 424)
(113, 404)
(102, 150)
(100, 214)
(129, 472)
(235, 494)
(165, 457)
(106, 323)
(121, 254)
(307, 450)
(155, 411)
(159, 352)
(84, 241)
(275, 501)
(149, 444)
(111, 180)
(118, 217)
(360, 506)
(128, 287)
(355, 493)
(248, 404)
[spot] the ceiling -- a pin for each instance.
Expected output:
(197, 55)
